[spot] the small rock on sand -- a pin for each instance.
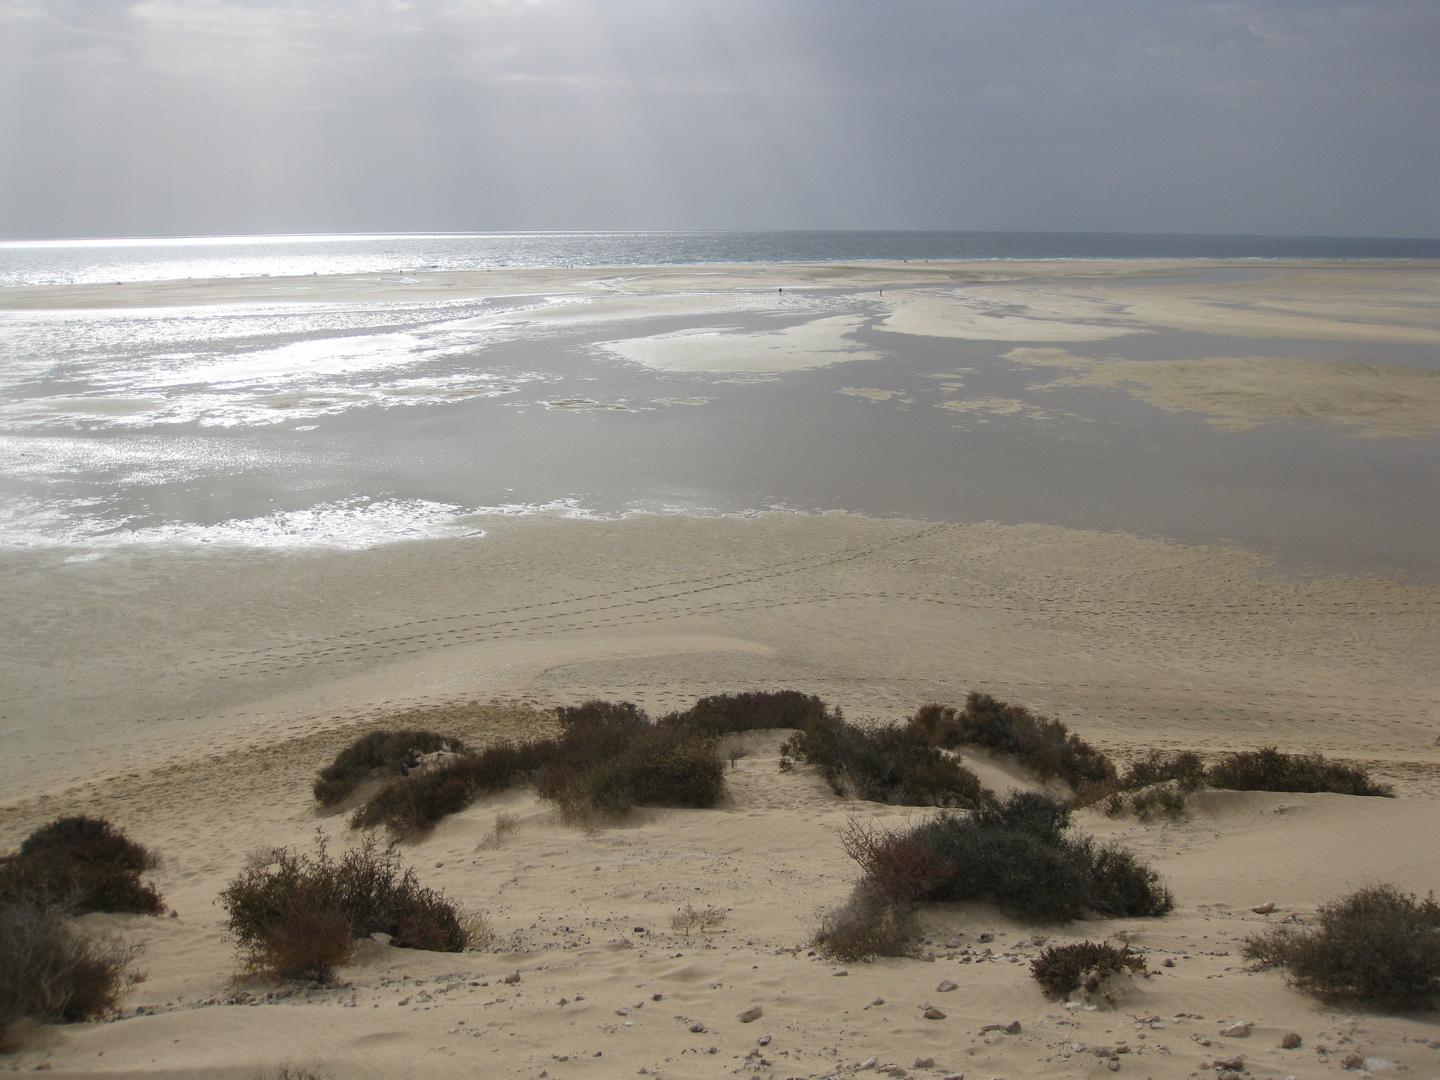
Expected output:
(1237, 1031)
(1290, 1041)
(749, 1016)
(924, 1063)
(946, 986)
(933, 1013)
(697, 1027)
(1265, 908)
(869, 1063)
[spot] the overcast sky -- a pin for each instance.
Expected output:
(160, 117)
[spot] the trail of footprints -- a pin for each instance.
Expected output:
(642, 604)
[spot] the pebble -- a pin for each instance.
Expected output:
(1169, 961)
(840, 973)
(1113, 1065)
(1352, 1061)
(749, 1016)
(933, 1013)
(1290, 1041)
(987, 937)
(946, 986)
(511, 980)
(697, 1027)
(1235, 1063)
(1265, 908)
(1237, 1031)
(869, 1063)
(924, 1063)
(764, 1040)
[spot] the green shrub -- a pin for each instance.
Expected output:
(1044, 746)
(1063, 969)
(888, 764)
(756, 710)
(1376, 944)
(52, 972)
(412, 805)
(276, 907)
(1019, 855)
(1269, 769)
(84, 863)
(379, 751)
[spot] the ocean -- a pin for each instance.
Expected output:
(101, 261)
(345, 421)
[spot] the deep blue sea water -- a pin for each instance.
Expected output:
(59, 262)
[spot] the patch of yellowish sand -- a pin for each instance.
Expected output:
(1371, 400)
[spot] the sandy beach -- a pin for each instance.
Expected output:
(189, 692)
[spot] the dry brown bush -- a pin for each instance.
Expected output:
(690, 919)
(868, 924)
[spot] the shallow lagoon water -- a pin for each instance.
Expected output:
(346, 425)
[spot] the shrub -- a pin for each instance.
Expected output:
(896, 867)
(689, 919)
(889, 764)
(49, 970)
(1063, 969)
(1018, 854)
(868, 924)
(1185, 768)
(756, 710)
(1044, 746)
(379, 750)
(87, 864)
(414, 804)
(648, 766)
(1269, 769)
(1377, 944)
(273, 905)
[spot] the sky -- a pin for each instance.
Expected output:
(185, 117)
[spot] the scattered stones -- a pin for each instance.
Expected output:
(933, 1013)
(946, 986)
(749, 1016)
(1290, 1041)
(924, 1063)
(1238, 1030)
(1265, 908)
(511, 980)
(1012, 1028)
(697, 1028)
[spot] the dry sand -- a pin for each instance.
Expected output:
(190, 696)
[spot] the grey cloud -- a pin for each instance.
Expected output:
(168, 116)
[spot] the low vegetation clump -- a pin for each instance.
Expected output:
(1047, 748)
(380, 753)
(1269, 769)
(690, 918)
(1016, 853)
(723, 714)
(52, 972)
(414, 804)
(868, 924)
(1063, 969)
(85, 864)
(1020, 855)
(895, 764)
(610, 758)
(297, 916)
(1376, 945)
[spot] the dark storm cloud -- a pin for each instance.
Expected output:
(240, 115)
